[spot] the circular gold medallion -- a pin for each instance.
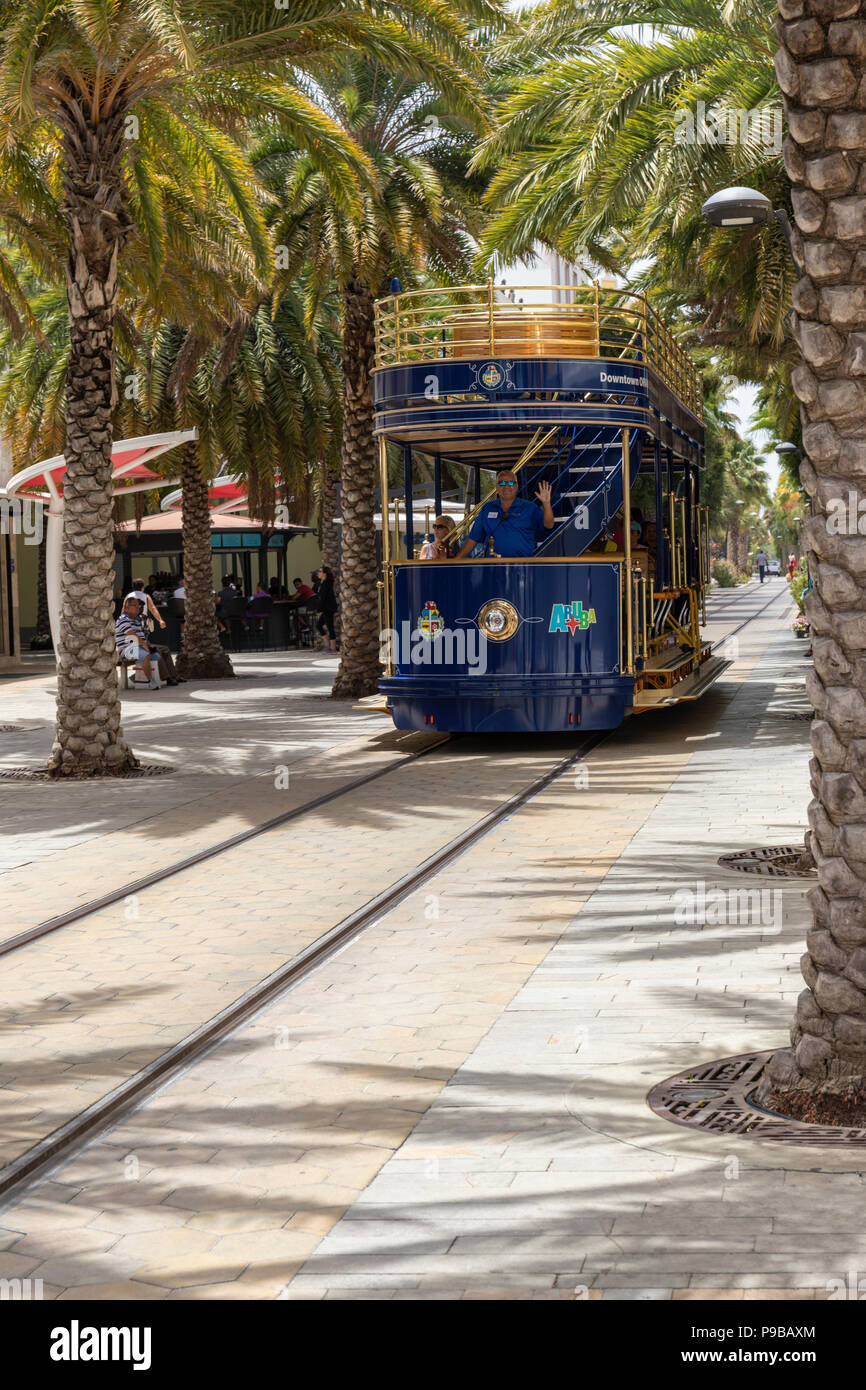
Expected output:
(498, 620)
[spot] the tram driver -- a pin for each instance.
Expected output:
(514, 523)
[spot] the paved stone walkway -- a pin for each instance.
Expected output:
(454, 1105)
(216, 734)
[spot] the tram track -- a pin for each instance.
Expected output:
(96, 1119)
(159, 876)
(749, 618)
(152, 880)
(55, 1148)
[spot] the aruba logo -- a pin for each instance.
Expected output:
(568, 617)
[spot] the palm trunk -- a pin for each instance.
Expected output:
(743, 551)
(202, 657)
(89, 738)
(359, 665)
(732, 549)
(822, 72)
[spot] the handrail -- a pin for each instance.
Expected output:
(574, 321)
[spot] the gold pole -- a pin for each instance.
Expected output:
(396, 528)
(426, 523)
(674, 552)
(626, 522)
(386, 548)
(383, 489)
(490, 316)
(643, 593)
(683, 575)
(706, 512)
(652, 606)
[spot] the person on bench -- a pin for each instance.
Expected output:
(132, 644)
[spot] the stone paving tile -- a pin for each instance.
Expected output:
(74, 1059)
(218, 734)
(349, 1053)
(286, 1125)
(659, 1185)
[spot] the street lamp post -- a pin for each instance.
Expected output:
(744, 207)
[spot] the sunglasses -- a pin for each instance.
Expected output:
(508, 482)
(440, 527)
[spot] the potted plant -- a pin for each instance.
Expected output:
(800, 626)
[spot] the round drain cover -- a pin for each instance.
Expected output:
(39, 774)
(716, 1097)
(777, 861)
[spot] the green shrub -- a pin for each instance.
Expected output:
(725, 574)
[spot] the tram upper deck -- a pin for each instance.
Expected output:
(468, 371)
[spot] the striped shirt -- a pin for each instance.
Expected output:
(128, 631)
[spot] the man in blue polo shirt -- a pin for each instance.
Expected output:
(514, 523)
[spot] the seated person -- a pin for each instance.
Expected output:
(636, 531)
(148, 607)
(438, 548)
(513, 523)
(131, 642)
(303, 593)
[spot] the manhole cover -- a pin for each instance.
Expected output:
(34, 774)
(779, 861)
(717, 1098)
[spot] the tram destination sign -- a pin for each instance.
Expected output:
(499, 379)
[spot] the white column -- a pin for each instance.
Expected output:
(53, 566)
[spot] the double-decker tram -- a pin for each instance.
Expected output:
(572, 591)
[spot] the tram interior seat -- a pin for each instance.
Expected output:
(531, 333)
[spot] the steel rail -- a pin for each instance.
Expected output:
(56, 1147)
(138, 885)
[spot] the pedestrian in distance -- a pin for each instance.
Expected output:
(327, 606)
(762, 562)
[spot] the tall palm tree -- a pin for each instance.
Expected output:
(263, 415)
(594, 156)
(86, 90)
(264, 406)
(826, 163)
(417, 217)
(745, 491)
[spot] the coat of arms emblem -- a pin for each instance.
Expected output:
(430, 623)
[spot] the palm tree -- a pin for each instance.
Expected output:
(263, 410)
(594, 156)
(87, 92)
(828, 1053)
(416, 218)
(745, 491)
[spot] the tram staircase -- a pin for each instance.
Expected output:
(586, 477)
(585, 473)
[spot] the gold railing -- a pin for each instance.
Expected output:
(584, 321)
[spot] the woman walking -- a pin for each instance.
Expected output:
(327, 604)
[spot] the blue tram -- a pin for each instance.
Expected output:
(583, 389)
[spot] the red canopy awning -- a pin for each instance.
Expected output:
(130, 459)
